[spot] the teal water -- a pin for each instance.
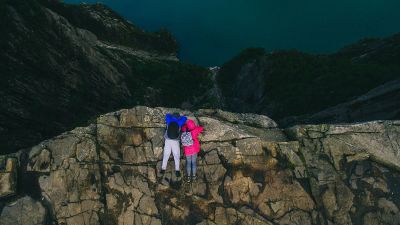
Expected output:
(210, 32)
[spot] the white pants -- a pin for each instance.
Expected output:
(176, 152)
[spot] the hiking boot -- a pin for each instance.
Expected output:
(188, 179)
(178, 173)
(194, 178)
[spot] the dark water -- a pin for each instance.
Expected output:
(212, 31)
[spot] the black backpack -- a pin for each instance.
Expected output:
(173, 130)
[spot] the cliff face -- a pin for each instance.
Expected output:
(110, 27)
(250, 172)
(61, 65)
(381, 102)
(284, 84)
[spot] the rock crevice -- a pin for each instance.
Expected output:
(250, 172)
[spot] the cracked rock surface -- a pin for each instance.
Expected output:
(249, 172)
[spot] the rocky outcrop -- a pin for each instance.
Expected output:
(250, 172)
(8, 176)
(62, 65)
(379, 103)
(23, 211)
(374, 50)
(110, 27)
(349, 168)
(358, 83)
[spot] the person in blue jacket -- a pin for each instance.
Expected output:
(172, 137)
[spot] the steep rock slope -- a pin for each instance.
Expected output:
(61, 65)
(108, 26)
(380, 102)
(292, 83)
(250, 172)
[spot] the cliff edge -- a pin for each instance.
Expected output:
(250, 172)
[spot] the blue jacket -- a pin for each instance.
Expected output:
(181, 120)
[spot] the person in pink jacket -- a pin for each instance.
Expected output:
(192, 150)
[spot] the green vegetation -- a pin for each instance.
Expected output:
(108, 26)
(231, 69)
(379, 51)
(56, 79)
(297, 83)
(166, 83)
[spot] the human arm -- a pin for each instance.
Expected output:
(168, 118)
(182, 120)
(196, 131)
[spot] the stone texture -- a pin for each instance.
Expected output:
(241, 189)
(109, 173)
(368, 138)
(89, 72)
(295, 218)
(220, 130)
(387, 213)
(282, 195)
(24, 211)
(241, 118)
(8, 176)
(69, 176)
(337, 155)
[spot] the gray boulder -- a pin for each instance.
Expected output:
(24, 211)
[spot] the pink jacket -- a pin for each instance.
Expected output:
(194, 131)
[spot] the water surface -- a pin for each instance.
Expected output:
(210, 32)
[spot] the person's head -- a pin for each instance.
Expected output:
(176, 115)
(190, 124)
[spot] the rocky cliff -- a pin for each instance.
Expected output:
(251, 172)
(378, 103)
(284, 84)
(61, 65)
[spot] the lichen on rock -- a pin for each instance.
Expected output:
(248, 173)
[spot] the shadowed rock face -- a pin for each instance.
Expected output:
(358, 83)
(250, 172)
(62, 65)
(382, 102)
